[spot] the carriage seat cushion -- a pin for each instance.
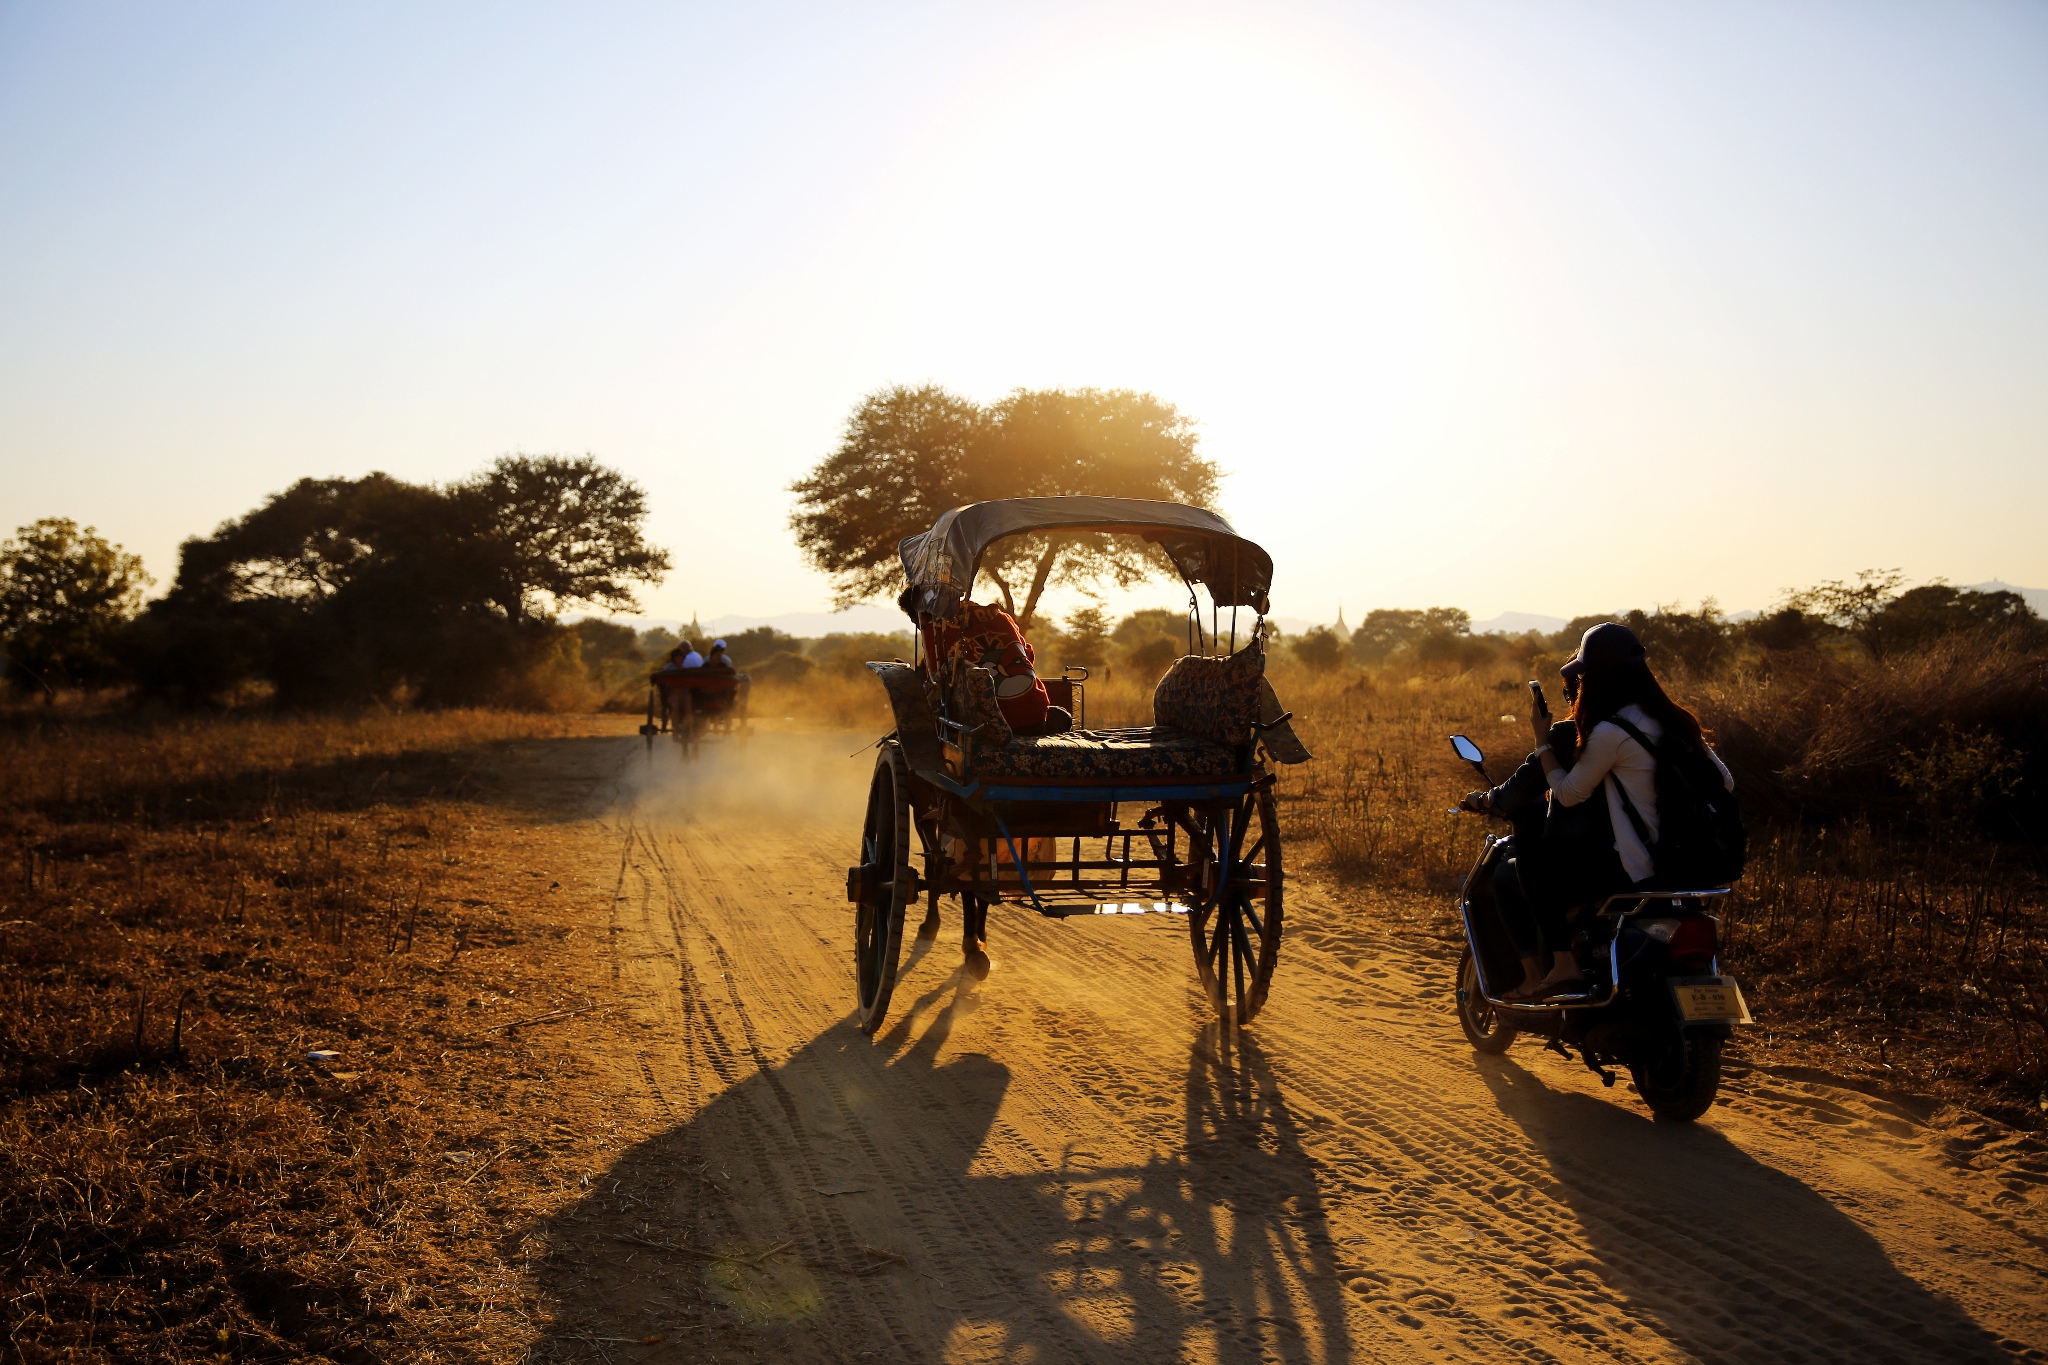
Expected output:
(1147, 753)
(1217, 699)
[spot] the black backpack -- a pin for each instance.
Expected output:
(1701, 841)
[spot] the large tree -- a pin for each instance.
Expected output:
(909, 454)
(340, 588)
(529, 535)
(905, 456)
(64, 593)
(558, 532)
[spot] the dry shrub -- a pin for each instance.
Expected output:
(1822, 736)
(1373, 807)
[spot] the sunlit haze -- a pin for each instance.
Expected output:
(1538, 307)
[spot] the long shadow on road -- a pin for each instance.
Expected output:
(839, 1189)
(1733, 1259)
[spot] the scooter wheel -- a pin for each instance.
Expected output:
(1679, 1085)
(1486, 1028)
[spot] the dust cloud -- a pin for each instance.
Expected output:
(795, 779)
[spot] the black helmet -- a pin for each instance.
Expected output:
(1604, 646)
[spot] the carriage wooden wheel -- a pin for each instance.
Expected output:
(1236, 934)
(881, 886)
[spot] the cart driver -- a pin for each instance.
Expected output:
(717, 661)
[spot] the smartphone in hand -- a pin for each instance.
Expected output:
(1536, 695)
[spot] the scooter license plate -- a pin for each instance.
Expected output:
(1710, 1000)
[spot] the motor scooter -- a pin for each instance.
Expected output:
(1656, 1001)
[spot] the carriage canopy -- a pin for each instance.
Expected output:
(942, 562)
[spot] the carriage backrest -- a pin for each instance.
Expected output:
(1217, 699)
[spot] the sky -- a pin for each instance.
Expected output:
(1548, 307)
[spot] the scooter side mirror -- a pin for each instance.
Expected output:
(1470, 752)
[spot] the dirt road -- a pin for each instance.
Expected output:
(1070, 1162)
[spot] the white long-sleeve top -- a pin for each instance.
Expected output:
(1611, 758)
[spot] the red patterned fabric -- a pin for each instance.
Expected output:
(988, 637)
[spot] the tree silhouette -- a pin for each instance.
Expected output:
(338, 589)
(64, 593)
(909, 454)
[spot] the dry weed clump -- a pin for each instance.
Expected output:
(188, 911)
(1924, 964)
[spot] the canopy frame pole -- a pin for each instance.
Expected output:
(1234, 595)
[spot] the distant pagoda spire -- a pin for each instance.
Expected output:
(1340, 630)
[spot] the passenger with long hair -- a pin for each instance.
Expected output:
(1613, 692)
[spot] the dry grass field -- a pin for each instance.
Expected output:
(194, 911)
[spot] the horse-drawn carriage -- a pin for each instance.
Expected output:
(1175, 817)
(686, 704)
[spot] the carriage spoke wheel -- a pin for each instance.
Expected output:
(1237, 938)
(885, 883)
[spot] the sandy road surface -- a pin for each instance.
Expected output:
(1072, 1163)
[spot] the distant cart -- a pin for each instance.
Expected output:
(687, 704)
(1175, 818)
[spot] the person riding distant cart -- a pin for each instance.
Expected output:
(683, 656)
(691, 696)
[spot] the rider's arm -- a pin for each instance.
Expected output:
(1573, 785)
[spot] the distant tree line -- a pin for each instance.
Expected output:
(1872, 615)
(344, 590)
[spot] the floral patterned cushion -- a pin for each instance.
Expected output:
(1146, 753)
(1217, 699)
(974, 704)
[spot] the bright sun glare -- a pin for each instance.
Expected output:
(1438, 284)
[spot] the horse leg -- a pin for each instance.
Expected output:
(974, 936)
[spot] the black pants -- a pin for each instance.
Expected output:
(1535, 888)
